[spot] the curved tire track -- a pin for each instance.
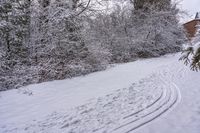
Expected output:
(157, 116)
(134, 119)
(148, 106)
(172, 97)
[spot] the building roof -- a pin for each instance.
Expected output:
(198, 20)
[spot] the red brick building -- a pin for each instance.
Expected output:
(191, 26)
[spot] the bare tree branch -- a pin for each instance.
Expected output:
(84, 8)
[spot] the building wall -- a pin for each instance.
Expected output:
(190, 27)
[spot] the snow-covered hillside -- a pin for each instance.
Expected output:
(158, 95)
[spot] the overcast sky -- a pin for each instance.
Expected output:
(191, 6)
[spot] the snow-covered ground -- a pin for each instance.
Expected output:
(158, 95)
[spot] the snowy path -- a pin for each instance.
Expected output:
(142, 97)
(185, 118)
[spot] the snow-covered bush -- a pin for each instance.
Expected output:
(129, 34)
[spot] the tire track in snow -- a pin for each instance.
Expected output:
(148, 106)
(157, 116)
(132, 120)
(172, 98)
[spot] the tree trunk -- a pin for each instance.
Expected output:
(8, 42)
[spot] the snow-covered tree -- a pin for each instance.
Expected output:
(159, 29)
(144, 4)
(14, 37)
(191, 54)
(58, 46)
(128, 33)
(13, 24)
(44, 40)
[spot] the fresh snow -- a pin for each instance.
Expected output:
(158, 95)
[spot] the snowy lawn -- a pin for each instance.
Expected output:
(126, 98)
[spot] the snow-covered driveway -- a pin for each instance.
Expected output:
(141, 96)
